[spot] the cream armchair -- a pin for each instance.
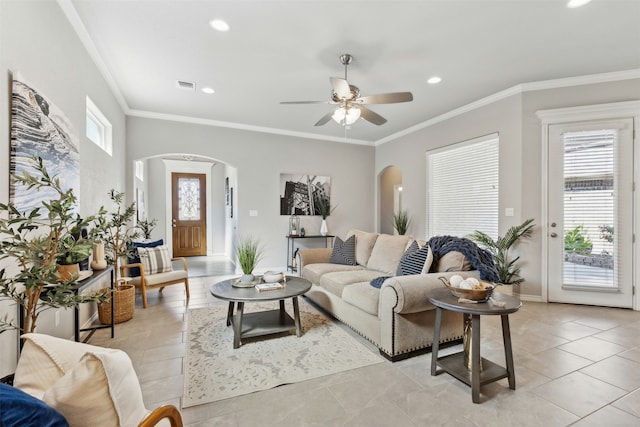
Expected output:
(88, 385)
(155, 273)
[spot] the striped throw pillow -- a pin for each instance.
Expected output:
(413, 261)
(155, 260)
(344, 252)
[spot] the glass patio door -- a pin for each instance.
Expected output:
(590, 213)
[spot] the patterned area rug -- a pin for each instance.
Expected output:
(215, 371)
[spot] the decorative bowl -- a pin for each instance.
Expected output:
(272, 276)
(481, 294)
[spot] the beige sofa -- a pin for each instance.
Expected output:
(398, 317)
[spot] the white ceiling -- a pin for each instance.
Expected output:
(287, 50)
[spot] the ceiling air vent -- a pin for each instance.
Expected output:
(190, 86)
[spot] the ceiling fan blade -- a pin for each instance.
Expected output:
(341, 87)
(324, 119)
(371, 116)
(386, 98)
(308, 102)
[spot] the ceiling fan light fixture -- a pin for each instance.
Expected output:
(346, 116)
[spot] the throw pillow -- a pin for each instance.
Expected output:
(413, 261)
(155, 260)
(133, 251)
(101, 390)
(17, 408)
(344, 252)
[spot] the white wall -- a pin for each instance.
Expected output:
(519, 130)
(259, 160)
(37, 41)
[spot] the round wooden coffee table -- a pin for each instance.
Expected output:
(262, 322)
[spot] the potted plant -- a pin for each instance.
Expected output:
(114, 229)
(508, 270)
(146, 227)
(73, 249)
(323, 208)
(401, 221)
(249, 253)
(32, 242)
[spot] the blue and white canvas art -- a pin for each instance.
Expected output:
(39, 127)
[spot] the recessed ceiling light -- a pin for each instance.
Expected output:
(577, 3)
(208, 90)
(434, 80)
(219, 25)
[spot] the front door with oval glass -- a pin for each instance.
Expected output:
(189, 214)
(590, 240)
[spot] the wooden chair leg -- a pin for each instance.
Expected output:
(186, 287)
(144, 296)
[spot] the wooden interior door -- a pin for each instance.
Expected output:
(189, 208)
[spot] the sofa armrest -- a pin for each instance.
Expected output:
(313, 256)
(411, 292)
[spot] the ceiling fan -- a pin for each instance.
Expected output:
(351, 104)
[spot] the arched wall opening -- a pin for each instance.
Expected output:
(390, 197)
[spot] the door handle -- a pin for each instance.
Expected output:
(174, 226)
(552, 234)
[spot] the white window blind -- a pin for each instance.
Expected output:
(462, 188)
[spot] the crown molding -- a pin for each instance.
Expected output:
(74, 19)
(242, 126)
(515, 90)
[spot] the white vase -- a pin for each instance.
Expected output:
(99, 262)
(323, 228)
(247, 278)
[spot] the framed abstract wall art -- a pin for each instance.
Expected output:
(302, 194)
(39, 127)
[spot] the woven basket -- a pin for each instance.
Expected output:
(124, 299)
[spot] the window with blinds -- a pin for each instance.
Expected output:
(589, 210)
(462, 188)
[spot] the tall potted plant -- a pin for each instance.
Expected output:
(508, 269)
(115, 230)
(323, 208)
(32, 242)
(401, 221)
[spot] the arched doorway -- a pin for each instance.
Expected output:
(390, 197)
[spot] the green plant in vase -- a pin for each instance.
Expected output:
(146, 227)
(401, 222)
(249, 253)
(508, 270)
(32, 242)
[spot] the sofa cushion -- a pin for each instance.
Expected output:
(313, 272)
(135, 258)
(155, 260)
(335, 282)
(344, 252)
(414, 259)
(387, 252)
(453, 261)
(18, 408)
(364, 245)
(44, 360)
(363, 296)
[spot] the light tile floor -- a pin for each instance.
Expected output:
(575, 365)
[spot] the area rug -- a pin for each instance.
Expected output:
(215, 371)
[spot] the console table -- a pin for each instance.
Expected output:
(291, 247)
(468, 366)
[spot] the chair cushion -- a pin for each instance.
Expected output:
(155, 260)
(98, 388)
(44, 360)
(156, 279)
(133, 250)
(18, 408)
(344, 252)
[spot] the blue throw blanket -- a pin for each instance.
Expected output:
(479, 258)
